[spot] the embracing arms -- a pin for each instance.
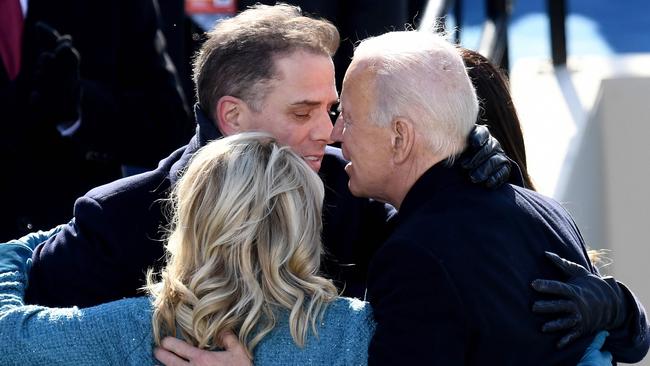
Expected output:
(117, 333)
(587, 303)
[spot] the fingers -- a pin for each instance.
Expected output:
(46, 36)
(481, 155)
(179, 347)
(482, 172)
(230, 341)
(51, 41)
(560, 324)
(568, 267)
(476, 152)
(235, 351)
(167, 358)
(67, 58)
(552, 287)
(478, 136)
(555, 306)
(569, 338)
(61, 60)
(500, 177)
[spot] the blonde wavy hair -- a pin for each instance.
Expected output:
(244, 242)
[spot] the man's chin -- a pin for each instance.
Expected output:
(354, 189)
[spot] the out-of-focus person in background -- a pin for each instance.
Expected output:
(86, 88)
(497, 111)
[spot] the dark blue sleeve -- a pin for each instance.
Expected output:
(102, 255)
(630, 342)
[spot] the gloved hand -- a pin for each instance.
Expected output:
(593, 355)
(56, 90)
(590, 303)
(485, 159)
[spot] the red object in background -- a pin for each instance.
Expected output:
(11, 32)
(224, 7)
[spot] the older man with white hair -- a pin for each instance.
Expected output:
(451, 286)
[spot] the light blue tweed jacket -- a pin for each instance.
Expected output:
(119, 333)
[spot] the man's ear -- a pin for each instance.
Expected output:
(402, 139)
(228, 115)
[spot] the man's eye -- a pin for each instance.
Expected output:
(301, 115)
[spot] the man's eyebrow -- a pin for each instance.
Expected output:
(311, 103)
(306, 103)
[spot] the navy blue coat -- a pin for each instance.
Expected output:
(117, 229)
(451, 286)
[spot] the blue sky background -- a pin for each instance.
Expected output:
(594, 27)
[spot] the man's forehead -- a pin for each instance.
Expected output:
(312, 103)
(286, 61)
(302, 80)
(352, 87)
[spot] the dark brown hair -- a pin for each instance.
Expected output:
(497, 110)
(239, 55)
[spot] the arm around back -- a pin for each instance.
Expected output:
(115, 333)
(103, 254)
(630, 342)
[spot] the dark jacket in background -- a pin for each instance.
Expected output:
(132, 111)
(118, 228)
(451, 286)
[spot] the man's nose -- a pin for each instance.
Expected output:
(323, 128)
(337, 131)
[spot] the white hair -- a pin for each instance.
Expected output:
(421, 76)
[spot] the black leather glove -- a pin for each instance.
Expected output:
(56, 90)
(485, 159)
(589, 303)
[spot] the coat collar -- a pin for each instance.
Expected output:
(206, 131)
(440, 177)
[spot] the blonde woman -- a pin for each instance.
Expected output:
(243, 255)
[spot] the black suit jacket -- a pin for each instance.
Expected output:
(451, 286)
(117, 233)
(132, 111)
